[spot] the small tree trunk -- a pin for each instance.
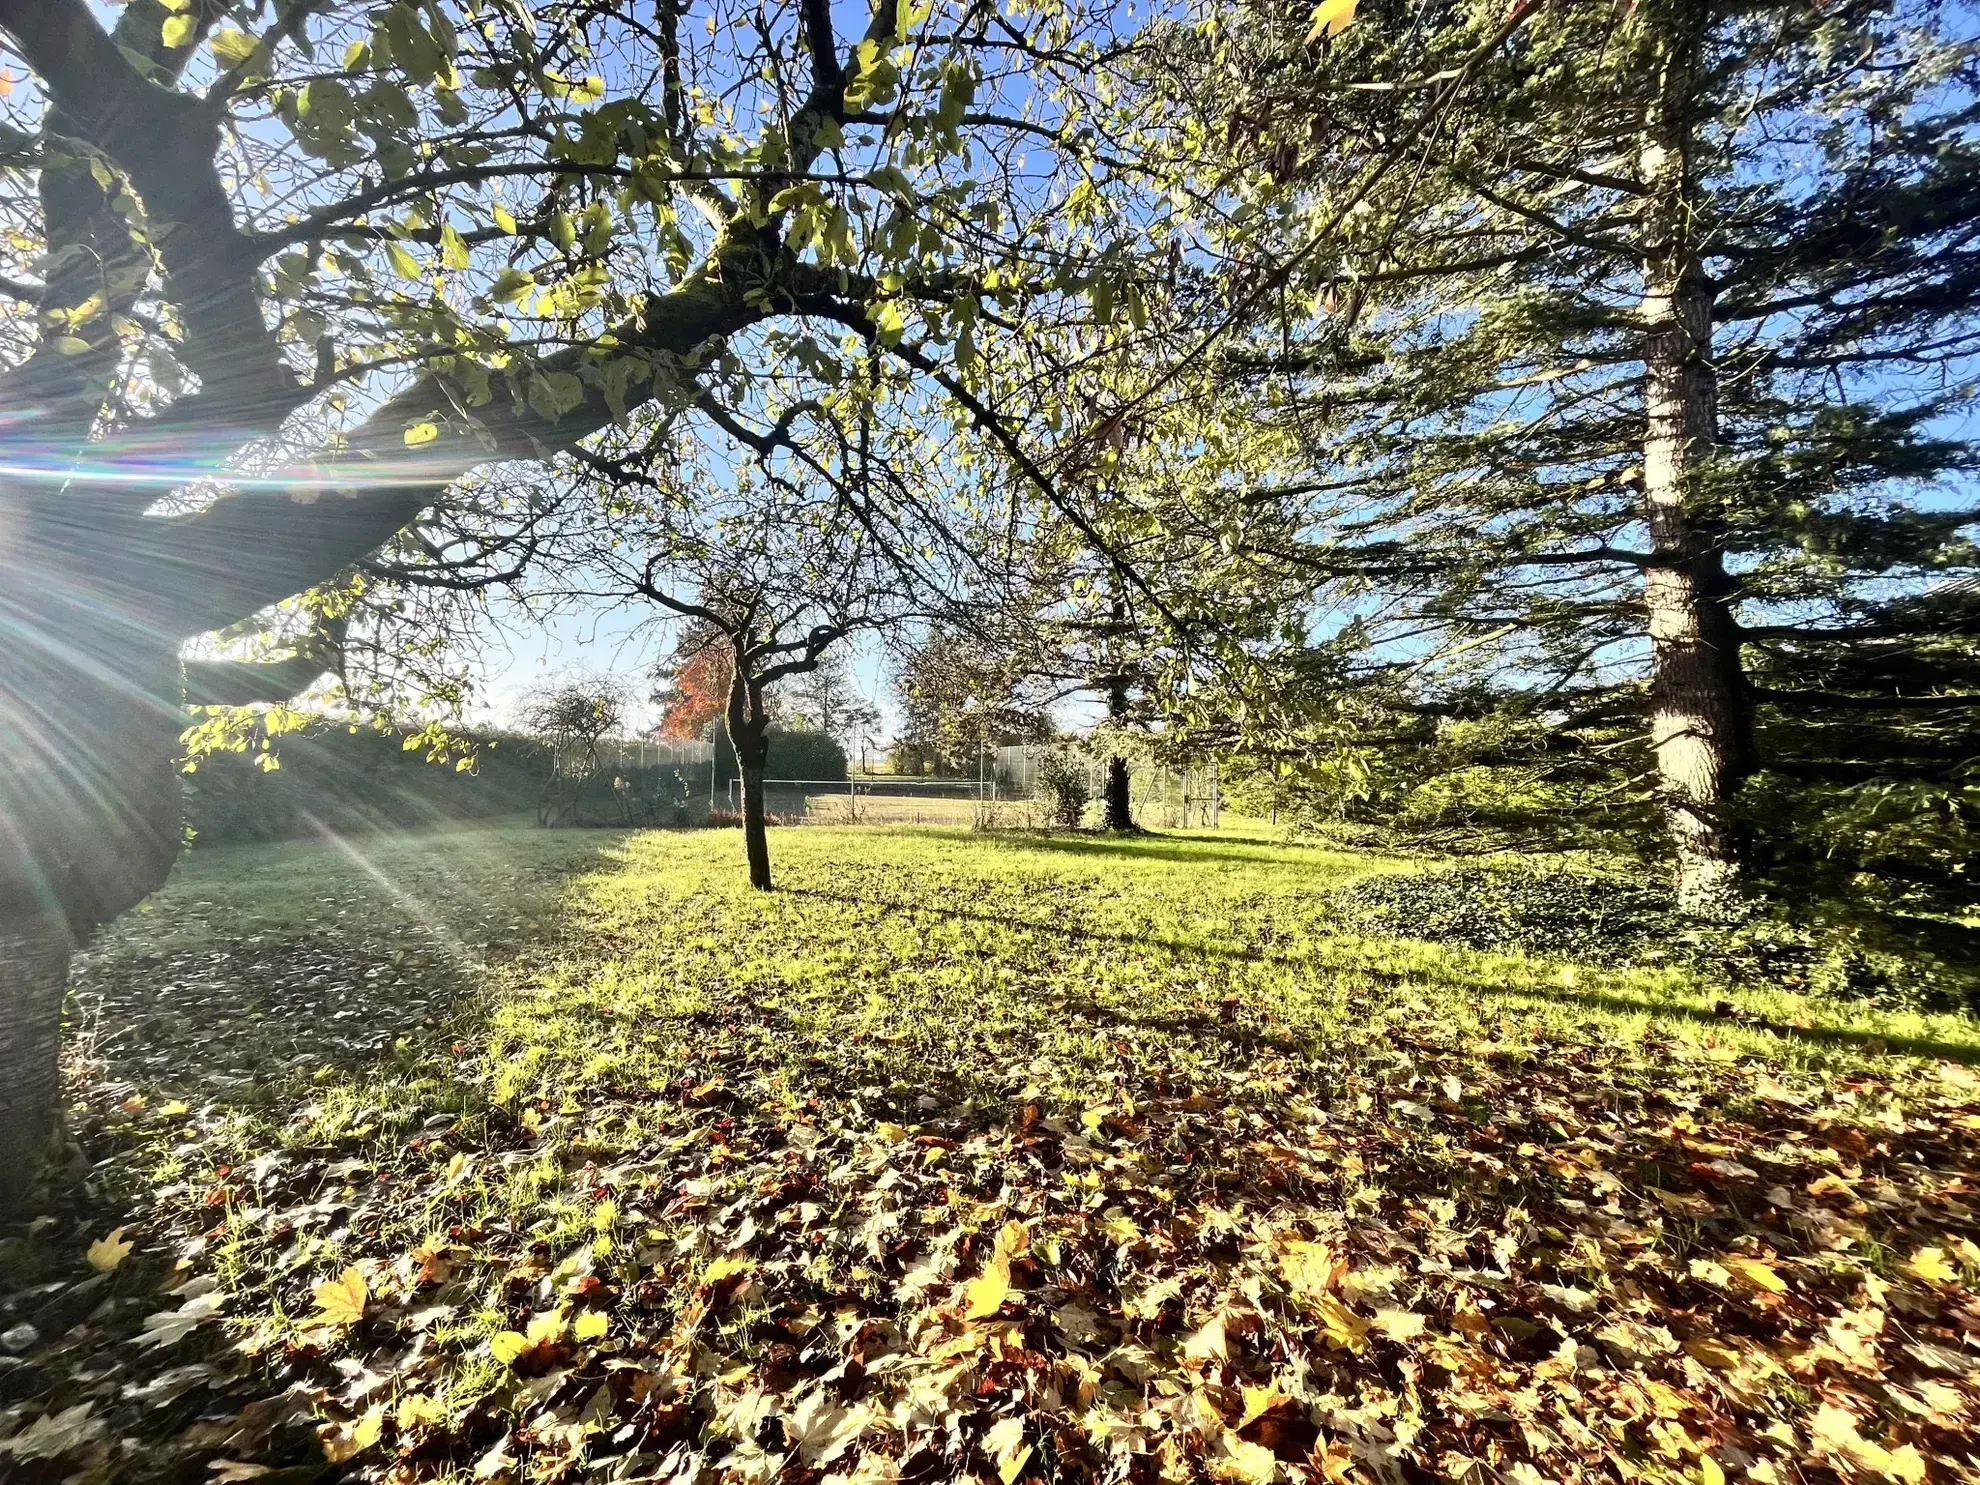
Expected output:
(756, 840)
(749, 735)
(1701, 725)
(34, 970)
(1119, 804)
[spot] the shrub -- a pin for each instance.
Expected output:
(1603, 920)
(1064, 783)
(1614, 920)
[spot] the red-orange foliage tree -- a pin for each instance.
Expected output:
(694, 690)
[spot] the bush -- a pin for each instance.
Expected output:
(1064, 783)
(1602, 920)
(1613, 920)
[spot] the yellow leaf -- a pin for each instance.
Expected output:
(1709, 1471)
(1905, 1463)
(591, 1325)
(507, 1345)
(1310, 1268)
(417, 1410)
(1242, 1461)
(1330, 18)
(1013, 1239)
(1004, 1441)
(421, 432)
(341, 1301)
(1399, 1325)
(504, 218)
(985, 1294)
(1341, 1325)
(1715, 1354)
(1210, 1343)
(725, 1267)
(1258, 1401)
(1753, 1271)
(342, 1440)
(231, 47)
(893, 1133)
(107, 1252)
(71, 345)
(1930, 1264)
(178, 29)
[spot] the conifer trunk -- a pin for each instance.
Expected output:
(1701, 707)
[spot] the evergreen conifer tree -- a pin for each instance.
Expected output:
(1632, 348)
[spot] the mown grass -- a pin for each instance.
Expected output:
(511, 1073)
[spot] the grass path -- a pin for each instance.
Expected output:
(509, 1154)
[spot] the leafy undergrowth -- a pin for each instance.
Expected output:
(983, 1159)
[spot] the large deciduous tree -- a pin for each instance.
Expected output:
(275, 273)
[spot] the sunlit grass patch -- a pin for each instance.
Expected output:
(959, 1146)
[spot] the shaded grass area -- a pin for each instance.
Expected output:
(969, 1156)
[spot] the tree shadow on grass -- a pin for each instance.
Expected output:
(260, 967)
(1143, 847)
(1435, 976)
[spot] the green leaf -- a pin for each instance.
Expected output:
(503, 218)
(231, 47)
(403, 262)
(888, 318)
(453, 250)
(511, 284)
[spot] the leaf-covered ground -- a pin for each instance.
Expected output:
(508, 1155)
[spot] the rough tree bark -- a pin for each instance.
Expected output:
(1701, 706)
(749, 734)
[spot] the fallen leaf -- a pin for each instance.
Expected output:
(1760, 1275)
(1930, 1265)
(107, 1252)
(54, 1434)
(1715, 1354)
(341, 1301)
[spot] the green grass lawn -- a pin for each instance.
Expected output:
(537, 1155)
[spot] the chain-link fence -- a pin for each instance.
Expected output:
(1007, 793)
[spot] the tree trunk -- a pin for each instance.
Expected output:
(34, 971)
(1119, 805)
(90, 714)
(749, 735)
(1701, 725)
(756, 840)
